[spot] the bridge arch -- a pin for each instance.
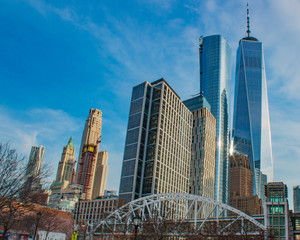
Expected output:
(178, 207)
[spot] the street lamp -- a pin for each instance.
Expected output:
(39, 214)
(136, 223)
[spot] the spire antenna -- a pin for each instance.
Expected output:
(248, 22)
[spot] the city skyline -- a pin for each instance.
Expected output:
(49, 117)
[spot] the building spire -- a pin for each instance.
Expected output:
(70, 143)
(248, 22)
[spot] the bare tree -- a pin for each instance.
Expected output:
(159, 227)
(45, 219)
(11, 214)
(48, 220)
(52, 220)
(12, 175)
(15, 196)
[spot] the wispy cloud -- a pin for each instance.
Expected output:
(44, 8)
(280, 35)
(286, 146)
(47, 127)
(141, 49)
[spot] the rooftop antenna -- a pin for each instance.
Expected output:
(248, 22)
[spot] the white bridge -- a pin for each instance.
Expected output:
(184, 212)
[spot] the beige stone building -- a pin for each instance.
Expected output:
(87, 159)
(100, 175)
(241, 186)
(64, 195)
(66, 164)
(203, 161)
(93, 211)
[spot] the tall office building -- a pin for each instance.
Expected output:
(100, 175)
(241, 186)
(34, 168)
(64, 175)
(88, 153)
(251, 124)
(296, 196)
(202, 174)
(215, 75)
(157, 148)
(66, 164)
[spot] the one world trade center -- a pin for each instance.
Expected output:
(251, 132)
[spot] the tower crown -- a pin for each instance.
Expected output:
(70, 143)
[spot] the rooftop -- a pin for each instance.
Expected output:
(250, 39)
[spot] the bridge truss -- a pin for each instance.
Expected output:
(177, 214)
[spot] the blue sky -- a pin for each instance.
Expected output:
(58, 59)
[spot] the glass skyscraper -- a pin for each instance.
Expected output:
(296, 197)
(251, 124)
(215, 75)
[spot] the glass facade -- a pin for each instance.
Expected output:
(134, 146)
(277, 209)
(296, 195)
(197, 103)
(251, 125)
(215, 75)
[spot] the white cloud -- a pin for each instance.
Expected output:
(44, 9)
(144, 52)
(211, 6)
(159, 6)
(47, 127)
(286, 146)
(280, 33)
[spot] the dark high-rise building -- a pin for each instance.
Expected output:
(215, 75)
(296, 196)
(158, 143)
(203, 162)
(251, 124)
